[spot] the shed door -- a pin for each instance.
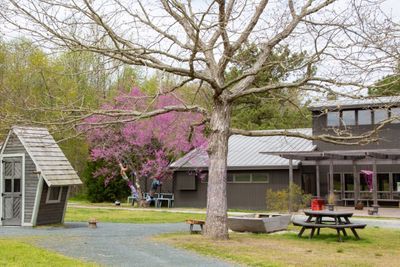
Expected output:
(12, 196)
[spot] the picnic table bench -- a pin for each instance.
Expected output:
(193, 222)
(340, 222)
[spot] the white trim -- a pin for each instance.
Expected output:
(5, 143)
(27, 224)
(22, 155)
(48, 201)
(38, 198)
(65, 204)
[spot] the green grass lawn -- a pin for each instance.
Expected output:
(127, 216)
(20, 253)
(377, 247)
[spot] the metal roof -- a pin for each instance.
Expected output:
(47, 156)
(246, 152)
(390, 154)
(386, 101)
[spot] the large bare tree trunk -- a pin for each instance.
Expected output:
(216, 222)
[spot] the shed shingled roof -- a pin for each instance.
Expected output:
(245, 153)
(49, 159)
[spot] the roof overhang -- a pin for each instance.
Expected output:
(381, 156)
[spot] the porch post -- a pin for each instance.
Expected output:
(375, 186)
(331, 177)
(317, 178)
(290, 183)
(356, 183)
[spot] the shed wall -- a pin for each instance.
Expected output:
(14, 146)
(51, 213)
(240, 195)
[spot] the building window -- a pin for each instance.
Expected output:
(349, 117)
(248, 178)
(396, 182)
(242, 177)
(54, 194)
(395, 112)
(380, 115)
(364, 117)
(348, 182)
(383, 181)
(333, 118)
(337, 183)
(260, 178)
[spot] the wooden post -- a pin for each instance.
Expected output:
(374, 185)
(318, 179)
(290, 183)
(356, 178)
(331, 177)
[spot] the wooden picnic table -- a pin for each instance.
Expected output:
(336, 220)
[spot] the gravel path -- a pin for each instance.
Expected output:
(115, 244)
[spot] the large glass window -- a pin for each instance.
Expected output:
(333, 118)
(395, 112)
(380, 115)
(396, 182)
(364, 117)
(348, 182)
(349, 117)
(337, 184)
(383, 181)
(363, 183)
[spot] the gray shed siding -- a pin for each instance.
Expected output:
(51, 213)
(240, 195)
(14, 146)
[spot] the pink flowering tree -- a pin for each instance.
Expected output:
(145, 146)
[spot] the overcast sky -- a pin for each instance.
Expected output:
(392, 7)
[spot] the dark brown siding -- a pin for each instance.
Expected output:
(240, 195)
(389, 136)
(51, 213)
(14, 146)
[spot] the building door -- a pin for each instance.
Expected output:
(12, 196)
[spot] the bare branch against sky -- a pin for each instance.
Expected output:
(346, 44)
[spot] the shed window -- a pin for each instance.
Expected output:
(333, 118)
(349, 117)
(380, 115)
(395, 112)
(364, 117)
(54, 194)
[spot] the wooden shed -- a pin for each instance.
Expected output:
(35, 178)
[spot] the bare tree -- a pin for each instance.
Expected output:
(197, 41)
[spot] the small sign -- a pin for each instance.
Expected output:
(398, 186)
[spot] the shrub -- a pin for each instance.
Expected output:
(97, 191)
(279, 200)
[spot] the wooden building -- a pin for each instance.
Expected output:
(250, 171)
(319, 168)
(35, 178)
